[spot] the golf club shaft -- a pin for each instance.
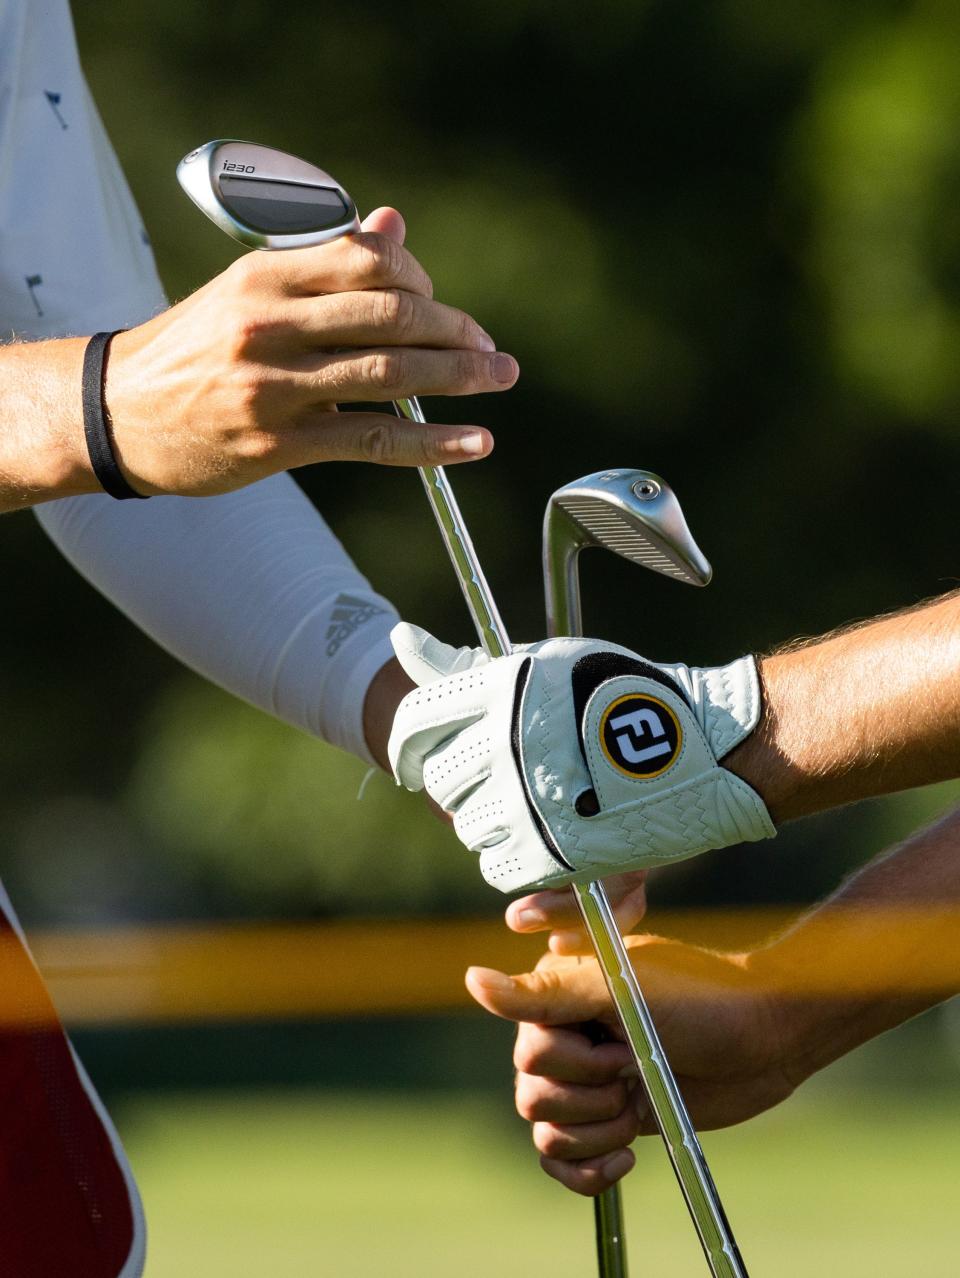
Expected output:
(667, 1105)
(608, 1207)
(561, 586)
(197, 178)
(479, 598)
(665, 1100)
(611, 1243)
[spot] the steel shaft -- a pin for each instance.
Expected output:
(562, 587)
(195, 174)
(563, 610)
(666, 1103)
(479, 598)
(611, 1242)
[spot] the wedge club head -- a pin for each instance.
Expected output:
(633, 513)
(265, 198)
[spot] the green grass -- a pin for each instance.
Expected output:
(838, 1182)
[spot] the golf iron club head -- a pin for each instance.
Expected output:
(633, 513)
(265, 198)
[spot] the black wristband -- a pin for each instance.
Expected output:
(96, 420)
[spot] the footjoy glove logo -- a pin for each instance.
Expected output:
(349, 614)
(640, 735)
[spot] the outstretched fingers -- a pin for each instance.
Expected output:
(381, 318)
(381, 438)
(397, 372)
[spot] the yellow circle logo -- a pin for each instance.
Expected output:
(640, 735)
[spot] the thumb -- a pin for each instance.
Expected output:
(425, 658)
(561, 993)
(386, 221)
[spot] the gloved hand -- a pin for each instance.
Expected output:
(572, 759)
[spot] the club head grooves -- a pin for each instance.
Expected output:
(634, 514)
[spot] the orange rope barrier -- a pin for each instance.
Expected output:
(181, 973)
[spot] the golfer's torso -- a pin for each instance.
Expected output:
(74, 256)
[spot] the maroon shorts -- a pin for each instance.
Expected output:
(68, 1205)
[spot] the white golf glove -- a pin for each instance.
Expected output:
(572, 759)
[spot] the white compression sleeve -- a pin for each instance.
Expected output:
(251, 589)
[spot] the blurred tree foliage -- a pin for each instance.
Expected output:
(722, 240)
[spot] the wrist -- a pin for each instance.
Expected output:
(46, 457)
(387, 689)
(798, 1025)
(761, 760)
(137, 445)
(844, 975)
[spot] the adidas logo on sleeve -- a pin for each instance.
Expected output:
(349, 614)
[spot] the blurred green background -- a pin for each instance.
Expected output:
(722, 241)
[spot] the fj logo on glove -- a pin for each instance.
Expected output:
(574, 756)
(640, 735)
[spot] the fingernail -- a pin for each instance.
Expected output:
(486, 341)
(531, 918)
(618, 1164)
(473, 442)
(504, 368)
(629, 1071)
(489, 978)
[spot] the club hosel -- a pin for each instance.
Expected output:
(561, 551)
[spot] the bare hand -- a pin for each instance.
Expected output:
(725, 1039)
(242, 379)
(558, 912)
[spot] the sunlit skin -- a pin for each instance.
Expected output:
(862, 712)
(242, 379)
(742, 1030)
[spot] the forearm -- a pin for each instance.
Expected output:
(251, 589)
(864, 712)
(883, 948)
(42, 449)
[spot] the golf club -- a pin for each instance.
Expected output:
(633, 513)
(257, 214)
(266, 199)
(630, 512)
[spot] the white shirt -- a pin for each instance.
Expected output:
(251, 589)
(74, 256)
